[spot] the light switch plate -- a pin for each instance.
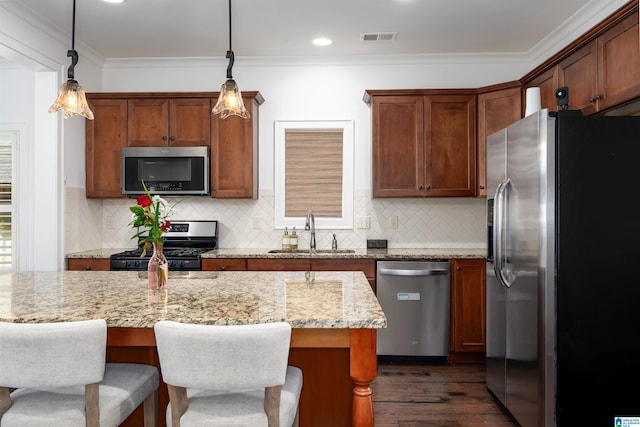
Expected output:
(364, 222)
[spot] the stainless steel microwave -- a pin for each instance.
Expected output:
(165, 170)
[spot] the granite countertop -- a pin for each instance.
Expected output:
(417, 253)
(303, 299)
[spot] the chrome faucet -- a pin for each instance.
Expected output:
(311, 226)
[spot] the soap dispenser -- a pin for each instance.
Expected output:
(286, 240)
(293, 240)
(334, 243)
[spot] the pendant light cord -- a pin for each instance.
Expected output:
(73, 27)
(72, 53)
(230, 55)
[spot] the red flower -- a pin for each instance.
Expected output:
(143, 201)
(165, 226)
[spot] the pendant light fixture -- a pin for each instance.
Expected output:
(71, 98)
(230, 99)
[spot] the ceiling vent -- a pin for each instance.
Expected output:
(375, 37)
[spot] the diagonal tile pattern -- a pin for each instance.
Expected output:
(421, 223)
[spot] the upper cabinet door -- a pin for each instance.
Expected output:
(496, 110)
(234, 152)
(176, 121)
(619, 63)
(105, 137)
(190, 122)
(398, 146)
(450, 145)
(578, 73)
(148, 122)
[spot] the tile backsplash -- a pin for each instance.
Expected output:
(421, 223)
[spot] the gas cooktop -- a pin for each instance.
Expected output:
(183, 244)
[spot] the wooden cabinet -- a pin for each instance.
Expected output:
(423, 143)
(224, 264)
(176, 119)
(279, 264)
(619, 63)
(578, 73)
(548, 83)
(497, 109)
(234, 152)
(601, 72)
(105, 137)
(605, 72)
(468, 302)
(154, 122)
(367, 266)
(86, 264)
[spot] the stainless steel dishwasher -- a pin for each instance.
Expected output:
(414, 295)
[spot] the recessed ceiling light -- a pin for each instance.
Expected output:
(322, 41)
(114, 1)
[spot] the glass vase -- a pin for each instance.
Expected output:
(158, 268)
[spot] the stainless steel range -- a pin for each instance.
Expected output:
(183, 245)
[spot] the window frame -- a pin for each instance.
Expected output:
(347, 128)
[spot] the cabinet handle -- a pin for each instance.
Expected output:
(420, 187)
(213, 189)
(223, 268)
(172, 138)
(458, 268)
(87, 268)
(598, 96)
(482, 187)
(164, 138)
(428, 187)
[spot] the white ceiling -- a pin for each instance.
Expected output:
(283, 28)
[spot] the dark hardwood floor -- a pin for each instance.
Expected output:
(412, 395)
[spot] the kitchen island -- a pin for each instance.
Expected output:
(334, 316)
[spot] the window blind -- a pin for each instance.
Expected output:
(313, 172)
(7, 142)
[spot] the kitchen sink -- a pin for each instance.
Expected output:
(310, 251)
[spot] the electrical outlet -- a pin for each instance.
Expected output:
(108, 222)
(393, 221)
(256, 223)
(376, 244)
(364, 222)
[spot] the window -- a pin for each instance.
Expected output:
(8, 142)
(314, 172)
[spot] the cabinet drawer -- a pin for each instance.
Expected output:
(93, 264)
(263, 264)
(224, 264)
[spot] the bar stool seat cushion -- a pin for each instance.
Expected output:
(208, 407)
(124, 387)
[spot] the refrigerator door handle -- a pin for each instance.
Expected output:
(499, 231)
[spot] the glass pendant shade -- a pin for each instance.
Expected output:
(230, 101)
(72, 101)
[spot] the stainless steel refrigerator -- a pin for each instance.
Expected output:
(563, 289)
